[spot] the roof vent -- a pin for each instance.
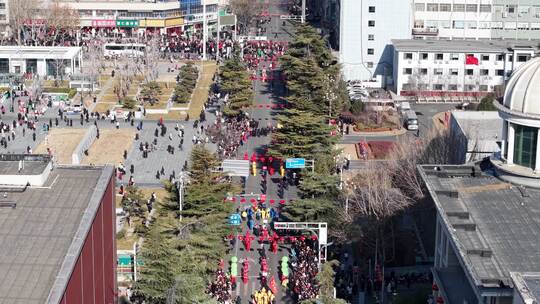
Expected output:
(11, 205)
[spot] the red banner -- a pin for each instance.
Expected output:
(471, 60)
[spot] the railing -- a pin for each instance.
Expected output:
(425, 31)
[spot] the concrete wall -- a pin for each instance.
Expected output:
(93, 279)
(84, 145)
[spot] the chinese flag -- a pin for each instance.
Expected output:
(471, 60)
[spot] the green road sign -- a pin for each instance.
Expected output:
(127, 23)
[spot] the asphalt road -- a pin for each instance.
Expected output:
(264, 93)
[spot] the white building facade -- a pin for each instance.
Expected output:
(450, 69)
(476, 19)
(365, 33)
(42, 61)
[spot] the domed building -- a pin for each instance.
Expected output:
(519, 160)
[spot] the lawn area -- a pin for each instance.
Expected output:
(102, 107)
(110, 146)
(172, 115)
(126, 242)
(200, 94)
(166, 91)
(62, 142)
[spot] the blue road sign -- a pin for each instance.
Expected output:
(235, 219)
(295, 163)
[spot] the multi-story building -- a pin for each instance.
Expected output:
(164, 16)
(4, 14)
(476, 19)
(58, 232)
(439, 69)
(487, 234)
(365, 33)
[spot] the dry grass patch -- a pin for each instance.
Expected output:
(200, 94)
(110, 146)
(172, 115)
(62, 142)
(102, 107)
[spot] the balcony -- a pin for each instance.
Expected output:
(425, 31)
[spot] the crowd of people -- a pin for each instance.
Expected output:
(220, 287)
(257, 52)
(304, 263)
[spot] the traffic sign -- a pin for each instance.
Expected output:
(295, 163)
(235, 219)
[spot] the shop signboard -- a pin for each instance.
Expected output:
(127, 23)
(103, 23)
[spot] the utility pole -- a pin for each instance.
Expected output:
(303, 11)
(180, 187)
(204, 30)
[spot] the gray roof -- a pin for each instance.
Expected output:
(494, 225)
(39, 237)
(480, 125)
(462, 46)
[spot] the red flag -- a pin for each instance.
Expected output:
(471, 60)
(272, 285)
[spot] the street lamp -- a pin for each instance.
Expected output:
(180, 187)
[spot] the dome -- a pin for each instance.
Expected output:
(523, 90)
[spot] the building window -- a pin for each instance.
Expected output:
(371, 9)
(419, 7)
(458, 24)
(522, 58)
(483, 88)
(371, 51)
(485, 57)
(484, 72)
(500, 57)
(407, 56)
(437, 71)
(445, 7)
(473, 8)
(485, 8)
(437, 87)
(439, 56)
(371, 23)
(454, 72)
(407, 71)
(2, 5)
(370, 64)
(510, 57)
(525, 142)
(424, 56)
(432, 7)
(370, 37)
(499, 72)
(454, 56)
(469, 72)
(510, 9)
(452, 87)
(470, 88)
(422, 71)
(459, 7)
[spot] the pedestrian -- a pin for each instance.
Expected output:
(34, 136)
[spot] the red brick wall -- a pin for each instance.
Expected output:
(93, 280)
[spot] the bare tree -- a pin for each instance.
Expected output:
(59, 18)
(152, 59)
(409, 152)
(95, 62)
(245, 11)
(20, 12)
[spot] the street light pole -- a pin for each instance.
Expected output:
(303, 11)
(204, 30)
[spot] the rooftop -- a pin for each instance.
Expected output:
(528, 286)
(51, 52)
(462, 46)
(494, 225)
(480, 125)
(47, 225)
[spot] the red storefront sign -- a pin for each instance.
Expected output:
(103, 23)
(34, 22)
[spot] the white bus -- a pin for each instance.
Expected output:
(111, 50)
